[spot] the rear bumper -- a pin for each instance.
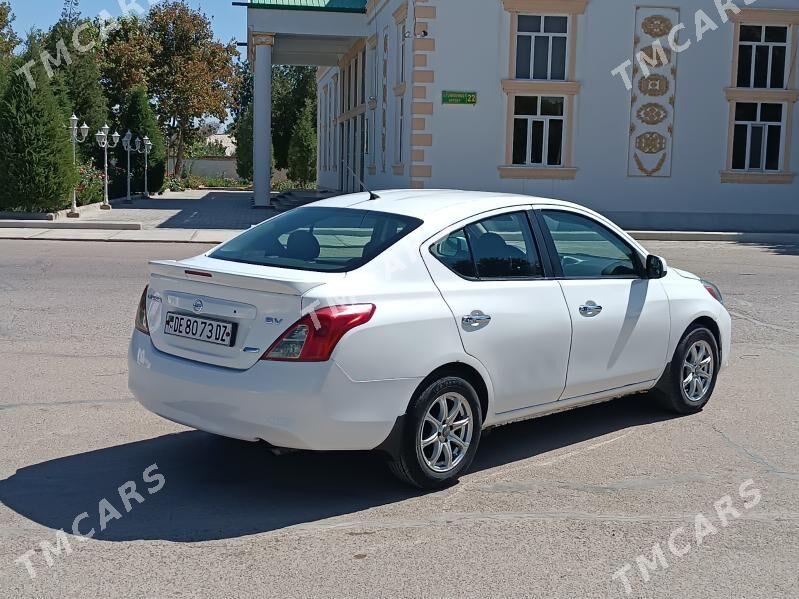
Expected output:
(302, 406)
(724, 322)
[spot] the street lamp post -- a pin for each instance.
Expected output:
(76, 139)
(102, 140)
(127, 146)
(144, 148)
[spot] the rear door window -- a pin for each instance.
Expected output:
(318, 239)
(498, 247)
(453, 251)
(503, 247)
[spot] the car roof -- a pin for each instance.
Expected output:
(424, 203)
(440, 208)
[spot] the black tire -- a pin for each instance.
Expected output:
(411, 465)
(671, 393)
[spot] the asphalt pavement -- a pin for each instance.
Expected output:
(570, 505)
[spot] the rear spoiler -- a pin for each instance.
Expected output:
(268, 279)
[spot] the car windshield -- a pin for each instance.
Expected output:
(319, 239)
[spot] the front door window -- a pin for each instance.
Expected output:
(588, 249)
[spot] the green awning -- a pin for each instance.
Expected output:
(358, 6)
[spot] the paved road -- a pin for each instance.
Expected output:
(552, 507)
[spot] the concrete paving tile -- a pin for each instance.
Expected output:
(16, 233)
(155, 235)
(213, 235)
(79, 234)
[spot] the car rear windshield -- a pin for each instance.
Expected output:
(320, 239)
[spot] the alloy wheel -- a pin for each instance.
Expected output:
(446, 432)
(697, 371)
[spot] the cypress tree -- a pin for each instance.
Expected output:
(78, 85)
(243, 135)
(244, 144)
(302, 149)
(35, 152)
(139, 118)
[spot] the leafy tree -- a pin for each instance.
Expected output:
(138, 117)
(8, 39)
(292, 86)
(38, 174)
(126, 58)
(242, 91)
(192, 71)
(302, 149)
(202, 148)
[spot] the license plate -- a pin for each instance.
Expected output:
(202, 329)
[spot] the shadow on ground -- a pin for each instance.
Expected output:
(215, 210)
(778, 249)
(218, 488)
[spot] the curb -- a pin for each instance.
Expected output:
(71, 224)
(224, 189)
(50, 217)
(201, 236)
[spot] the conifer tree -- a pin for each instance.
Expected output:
(139, 118)
(35, 152)
(302, 149)
(244, 144)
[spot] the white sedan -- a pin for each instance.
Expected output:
(411, 321)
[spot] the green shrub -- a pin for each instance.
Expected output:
(173, 184)
(90, 184)
(288, 185)
(222, 181)
(193, 181)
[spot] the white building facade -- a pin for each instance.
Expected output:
(674, 116)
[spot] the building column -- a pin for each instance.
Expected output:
(261, 51)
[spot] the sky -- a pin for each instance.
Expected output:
(230, 22)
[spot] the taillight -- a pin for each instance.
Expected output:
(141, 314)
(314, 336)
(713, 290)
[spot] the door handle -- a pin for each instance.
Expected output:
(590, 309)
(475, 318)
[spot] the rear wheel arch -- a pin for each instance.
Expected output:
(464, 371)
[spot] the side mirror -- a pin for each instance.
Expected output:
(655, 267)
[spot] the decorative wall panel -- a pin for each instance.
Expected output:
(653, 93)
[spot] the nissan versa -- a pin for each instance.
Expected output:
(411, 321)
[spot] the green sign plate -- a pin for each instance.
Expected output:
(449, 97)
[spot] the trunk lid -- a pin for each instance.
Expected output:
(260, 301)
